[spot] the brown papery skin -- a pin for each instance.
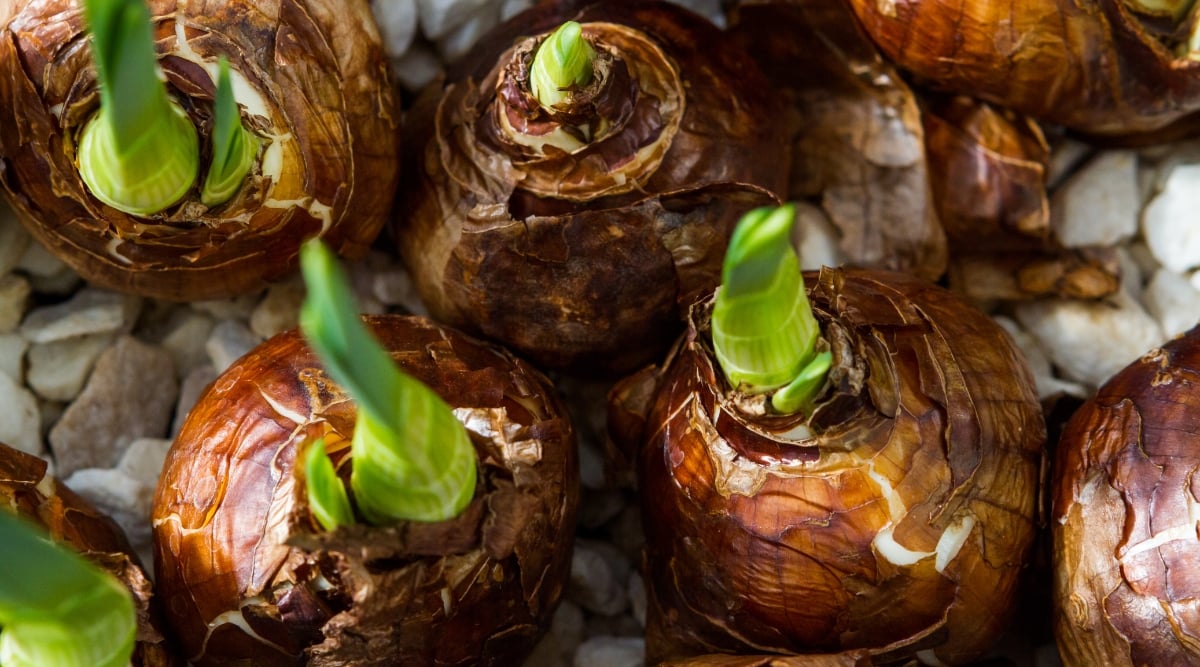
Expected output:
(1126, 492)
(235, 546)
(761, 542)
(328, 122)
(988, 169)
(28, 490)
(586, 260)
(858, 144)
(1086, 64)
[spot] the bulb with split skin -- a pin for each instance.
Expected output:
(844, 466)
(335, 500)
(184, 150)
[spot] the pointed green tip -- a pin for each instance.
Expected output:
(327, 497)
(563, 62)
(233, 147)
(764, 332)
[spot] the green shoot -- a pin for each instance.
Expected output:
(233, 147)
(139, 153)
(327, 497)
(56, 608)
(764, 332)
(411, 457)
(563, 63)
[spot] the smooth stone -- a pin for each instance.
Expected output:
(91, 311)
(13, 238)
(1173, 301)
(185, 340)
(417, 68)
(1064, 159)
(236, 308)
(58, 369)
(1098, 205)
(1090, 341)
(815, 238)
(1048, 385)
(607, 651)
(397, 21)
(460, 39)
(14, 297)
(193, 385)
(47, 273)
(557, 647)
(511, 8)
(229, 340)
(279, 309)
(439, 17)
(593, 584)
(20, 420)
(129, 395)
(1169, 223)
(143, 460)
(12, 356)
(127, 500)
(637, 597)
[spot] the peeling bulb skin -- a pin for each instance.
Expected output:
(1094, 66)
(903, 521)
(578, 234)
(246, 575)
(27, 488)
(1125, 515)
(328, 125)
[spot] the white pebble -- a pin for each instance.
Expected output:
(439, 17)
(1170, 223)
(14, 295)
(90, 311)
(123, 498)
(415, 69)
(593, 585)
(1043, 373)
(637, 597)
(460, 40)
(185, 339)
(20, 420)
(279, 310)
(397, 21)
(143, 461)
(13, 238)
(815, 238)
(237, 308)
(1098, 205)
(58, 369)
(47, 273)
(1065, 157)
(229, 340)
(1090, 341)
(511, 8)
(605, 651)
(194, 384)
(1172, 300)
(12, 356)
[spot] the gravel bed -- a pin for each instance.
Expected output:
(98, 382)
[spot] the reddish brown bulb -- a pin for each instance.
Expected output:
(245, 574)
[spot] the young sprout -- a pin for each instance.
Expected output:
(563, 63)
(763, 329)
(139, 153)
(56, 608)
(327, 499)
(412, 459)
(233, 147)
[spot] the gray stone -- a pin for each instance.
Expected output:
(12, 356)
(415, 69)
(127, 500)
(605, 651)
(815, 238)
(47, 274)
(593, 585)
(279, 309)
(397, 21)
(185, 340)
(1091, 341)
(143, 460)
(20, 420)
(1048, 384)
(129, 395)
(237, 308)
(58, 369)
(511, 8)
(1066, 157)
(90, 311)
(192, 386)
(557, 648)
(1098, 205)
(14, 296)
(1172, 300)
(13, 238)
(229, 340)
(439, 17)
(637, 597)
(1169, 223)
(461, 38)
